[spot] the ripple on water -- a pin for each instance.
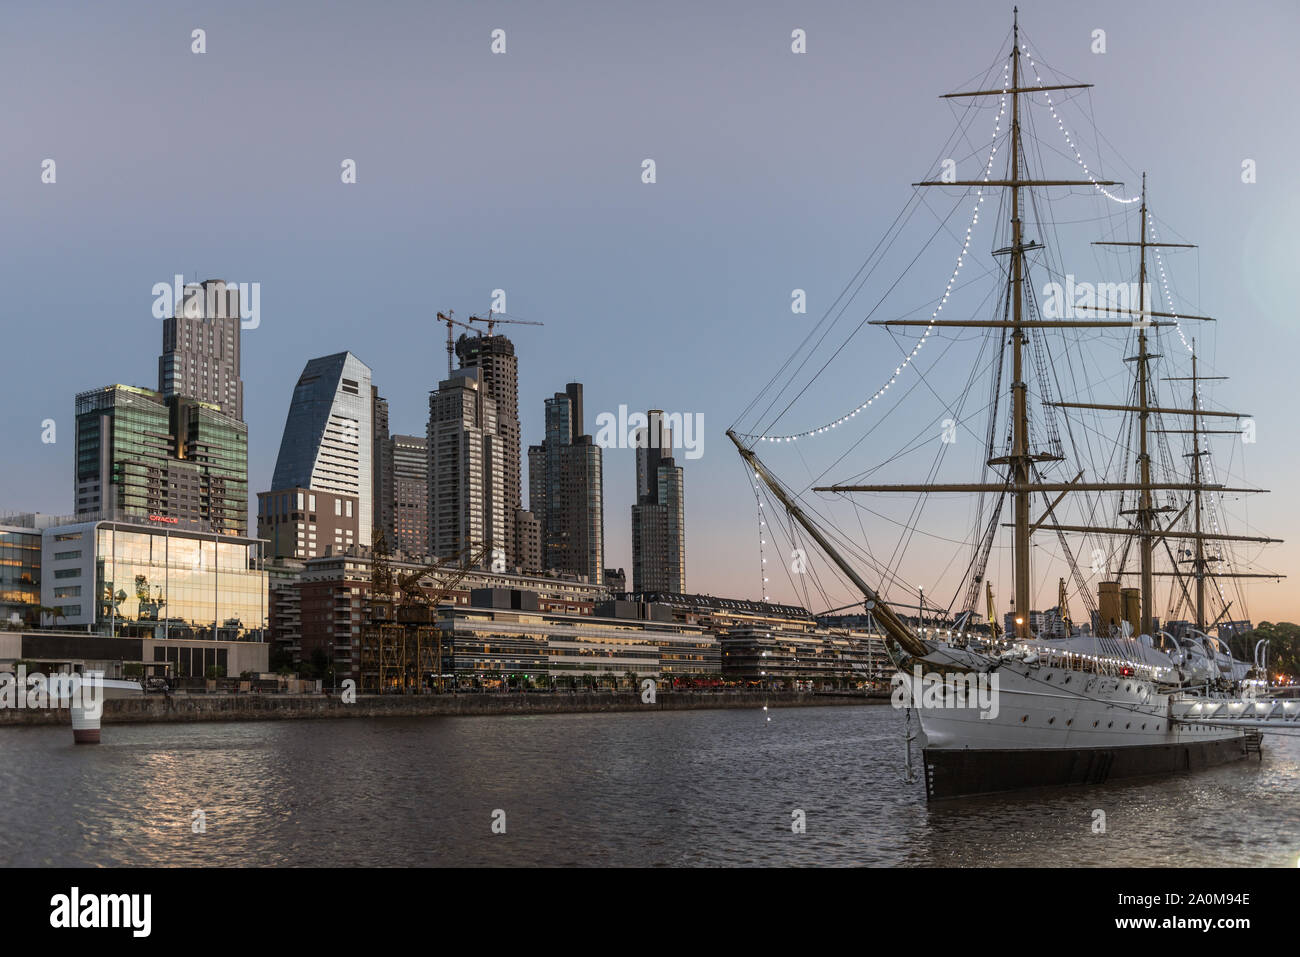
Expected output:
(663, 789)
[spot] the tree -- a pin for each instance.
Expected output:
(1283, 646)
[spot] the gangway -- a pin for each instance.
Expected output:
(1262, 713)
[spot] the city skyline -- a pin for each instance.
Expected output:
(787, 192)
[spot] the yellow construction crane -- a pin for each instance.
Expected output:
(995, 630)
(1063, 607)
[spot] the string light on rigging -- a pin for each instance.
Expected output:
(929, 329)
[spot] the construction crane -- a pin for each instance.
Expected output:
(494, 318)
(402, 642)
(1063, 607)
(455, 322)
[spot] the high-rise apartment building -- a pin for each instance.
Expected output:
(659, 516)
(466, 473)
(499, 380)
(405, 478)
(200, 357)
(566, 489)
(326, 456)
(380, 501)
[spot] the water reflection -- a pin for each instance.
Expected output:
(659, 789)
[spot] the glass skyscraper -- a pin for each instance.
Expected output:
(566, 490)
(140, 456)
(327, 444)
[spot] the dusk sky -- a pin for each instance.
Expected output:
(775, 171)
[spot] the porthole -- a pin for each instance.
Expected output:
(1024, 719)
(1069, 721)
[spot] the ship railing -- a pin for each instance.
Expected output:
(1100, 664)
(1261, 713)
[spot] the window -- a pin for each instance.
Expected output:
(66, 556)
(67, 573)
(68, 537)
(338, 506)
(349, 508)
(68, 591)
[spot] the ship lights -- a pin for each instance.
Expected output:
(952, 280)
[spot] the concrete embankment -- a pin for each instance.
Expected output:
(284, 707)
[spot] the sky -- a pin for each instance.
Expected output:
(523, 171)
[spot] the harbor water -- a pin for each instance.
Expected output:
(689, 788)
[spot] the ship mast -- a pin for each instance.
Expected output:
(1200, 563)
(1021, 481)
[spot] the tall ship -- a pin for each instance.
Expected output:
(1089, 414)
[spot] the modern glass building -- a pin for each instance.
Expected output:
(140, 455)
(659, 515)
(566, 489)
(154, 580)
(20, 571)
(327, 445)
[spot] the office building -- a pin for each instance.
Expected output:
(20, 567)
(566, 489)
(326, 456)
(658, 517)
(141, 456)
(154, 580)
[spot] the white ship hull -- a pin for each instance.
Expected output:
(1055, 726)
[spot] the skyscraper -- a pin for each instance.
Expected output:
(466, 474)
(178, 456)
(200, 357)
(406, 493)
(658, 517)
(326, 449)
(495, 356)
(143, 458)
(381, 465)
(566, 489)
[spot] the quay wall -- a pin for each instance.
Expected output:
(282, 707)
